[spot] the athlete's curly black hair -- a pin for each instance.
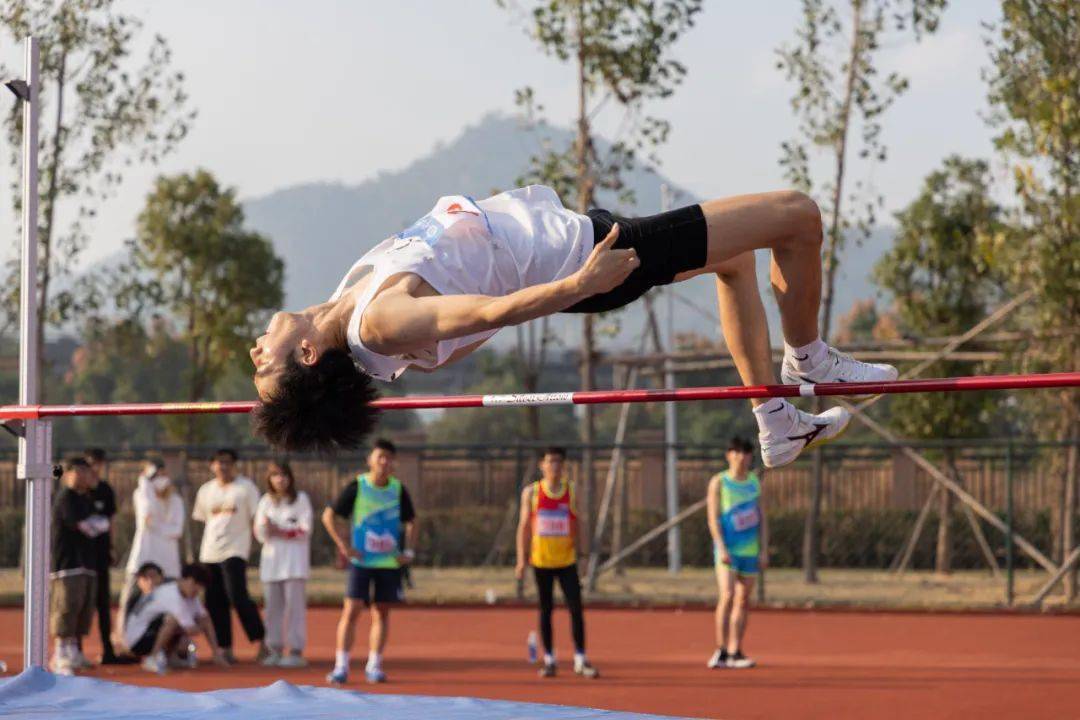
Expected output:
(322, 407)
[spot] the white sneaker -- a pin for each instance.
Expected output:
(740, 661)
(292, 661)
(155, 663)
(80, 661)
(789, 431)
(61, 666)
(586, 669)
(837, 367)
(717, 661)
(272, 659)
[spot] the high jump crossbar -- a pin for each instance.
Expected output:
(591, 397)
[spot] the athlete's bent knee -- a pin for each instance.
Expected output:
(803, 216)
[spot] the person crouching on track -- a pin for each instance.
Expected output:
(162, 619)
(381, 514)
(283, 526)
(740, 546)
(547, 534)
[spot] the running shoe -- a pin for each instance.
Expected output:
(374, 676)
(155, 663)
(292, 660)
(272, 659)
(61, 666)
(547, 670)
(837, 367)
(338, 676)
(586, 670)
(790, 431)
(739, 661)
(718, 660)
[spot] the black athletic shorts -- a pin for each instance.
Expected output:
(387, 582)
(667, 244)
(145, 643)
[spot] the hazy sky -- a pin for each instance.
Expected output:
(289, 92)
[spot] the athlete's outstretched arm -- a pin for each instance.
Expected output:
(399, 323)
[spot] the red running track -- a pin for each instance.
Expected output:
(591, 397)
(812, 665)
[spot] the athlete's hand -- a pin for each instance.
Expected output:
(607, 267)
(725, 556)
(763, 560)
(404, 559)
(344, 555)
(519, 571)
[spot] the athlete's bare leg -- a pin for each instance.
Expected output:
(739, 612)
(788, 224)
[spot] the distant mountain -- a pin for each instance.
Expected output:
(320, 229)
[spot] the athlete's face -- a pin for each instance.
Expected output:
(188, 587)
(287, 335)
(739, 462)
(380, 463)
(551, 465)
(148, 581)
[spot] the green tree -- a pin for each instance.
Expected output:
(192, 260)
(621, 53)
(124, 360)
(839, 100)
(1034, 81)
(102, 110)
(943, 274)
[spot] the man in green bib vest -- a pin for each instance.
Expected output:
(380, 516)
(740, 547)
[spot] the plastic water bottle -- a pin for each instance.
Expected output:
(531, 642)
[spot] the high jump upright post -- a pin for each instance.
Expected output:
(35, 435)
(671, 453)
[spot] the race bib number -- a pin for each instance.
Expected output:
(553, 523)
(745, 519)
(380, 543)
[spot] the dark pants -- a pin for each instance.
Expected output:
(228, 588)
(571, 590)
(103, 601)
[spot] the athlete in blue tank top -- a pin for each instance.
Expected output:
(740, 545)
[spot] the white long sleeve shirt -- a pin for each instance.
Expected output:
(158, 525)
(284, 558)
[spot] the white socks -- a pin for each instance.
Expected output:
(549, 659)
(579, 659)
(770, 415)
(807, 357)
(341, 661)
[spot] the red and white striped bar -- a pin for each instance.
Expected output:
(592, 397)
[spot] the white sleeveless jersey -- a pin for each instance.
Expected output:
(517, 239)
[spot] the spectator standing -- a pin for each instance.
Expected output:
(283, 526)
(227, 504)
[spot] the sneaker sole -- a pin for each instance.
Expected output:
(787, 380)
